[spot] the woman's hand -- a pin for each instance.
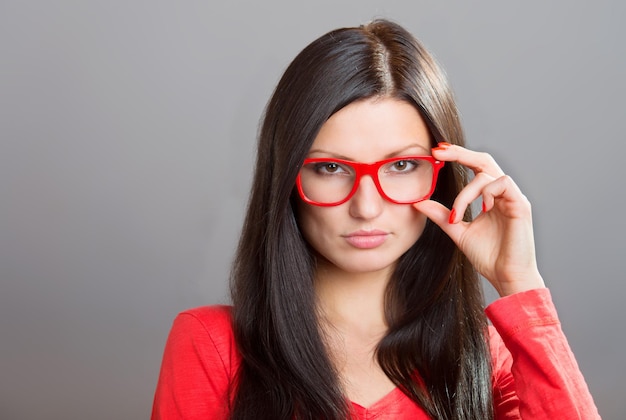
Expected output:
(499, 242)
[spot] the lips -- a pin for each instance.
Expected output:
(366, 239)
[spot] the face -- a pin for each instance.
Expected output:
(367, 233)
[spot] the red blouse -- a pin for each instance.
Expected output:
(535, 375)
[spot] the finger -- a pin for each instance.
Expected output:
(468, 194)
(477, 161)
(440, 215)
(506, 194)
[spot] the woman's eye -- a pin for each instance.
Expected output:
(403, 165)
(329, 168)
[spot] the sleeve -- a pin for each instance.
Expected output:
(197, 367)
(535, 373)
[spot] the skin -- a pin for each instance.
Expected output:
(350, 281)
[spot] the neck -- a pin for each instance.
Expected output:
(352, 301)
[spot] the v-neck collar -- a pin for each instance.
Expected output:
(392, 397)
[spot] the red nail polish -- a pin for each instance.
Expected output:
(484, 207)
(452, 216)
(442, 146)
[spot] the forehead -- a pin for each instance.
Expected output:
(372, 129)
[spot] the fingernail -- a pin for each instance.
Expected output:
(443, 145)
(484, 207)
(452, 216)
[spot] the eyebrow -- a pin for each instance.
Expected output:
(398, 152)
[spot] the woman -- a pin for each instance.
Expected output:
(355, 286)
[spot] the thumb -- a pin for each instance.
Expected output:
(440, 215)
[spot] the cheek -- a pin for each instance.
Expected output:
(419, 224)
(312, 223)
(410, 225)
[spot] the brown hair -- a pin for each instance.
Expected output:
(435, 350)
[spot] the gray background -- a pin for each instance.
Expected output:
(127, 139)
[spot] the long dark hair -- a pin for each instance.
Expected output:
(436, 348)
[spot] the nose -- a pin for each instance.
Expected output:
(366, 203)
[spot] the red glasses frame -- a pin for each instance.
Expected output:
(370, 169)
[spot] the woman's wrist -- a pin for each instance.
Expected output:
(523, 283)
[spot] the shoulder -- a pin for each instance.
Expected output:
(207, 332)
(213, 319)
(199, 364)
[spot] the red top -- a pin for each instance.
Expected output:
(535, 375)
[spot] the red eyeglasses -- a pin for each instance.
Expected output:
(400, 180)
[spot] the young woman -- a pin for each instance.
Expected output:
(355, 287)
